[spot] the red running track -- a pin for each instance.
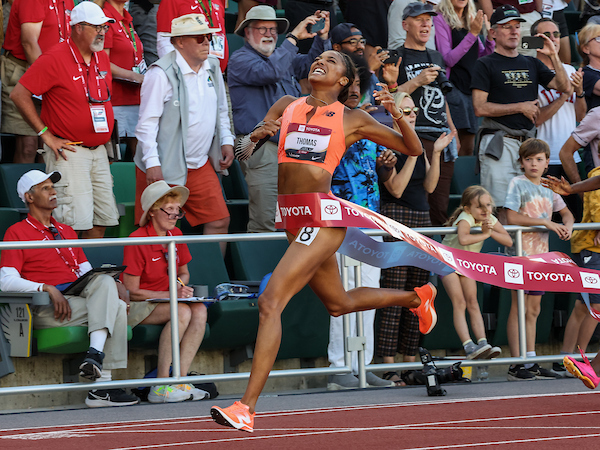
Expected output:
(550, 421)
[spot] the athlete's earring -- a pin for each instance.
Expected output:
(344, 83)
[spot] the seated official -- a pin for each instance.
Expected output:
(147, 277)
(51, 269)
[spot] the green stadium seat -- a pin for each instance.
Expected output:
(234, 185)
(65, 339)
(464, 174)
(123, 174)
(305, 320)
(8, 217)
(98, 256)
(9, 175)
(576, 59)
(573, 21)
(235, 42)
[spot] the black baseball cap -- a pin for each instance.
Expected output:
(504, 14)
(415, 9)
(343, 31)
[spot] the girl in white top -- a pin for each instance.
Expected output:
(475, 210)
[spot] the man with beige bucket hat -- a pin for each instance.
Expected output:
(184, 129)
(258, 75)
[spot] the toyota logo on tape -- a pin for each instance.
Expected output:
(331, 209)
(591, 280)
(513, 273)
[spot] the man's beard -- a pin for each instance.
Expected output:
(264, 48)
(97, 45)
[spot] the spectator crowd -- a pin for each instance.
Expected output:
(169, 85)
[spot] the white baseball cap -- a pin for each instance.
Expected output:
(89, 12)
(33, 178)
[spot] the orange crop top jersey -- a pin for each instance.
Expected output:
(319, 142)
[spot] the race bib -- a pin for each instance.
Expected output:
(99, 118)
(307, 142)
(217, 46)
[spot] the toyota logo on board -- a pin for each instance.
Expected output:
(513, 273)
(331, 209)
(591, 280)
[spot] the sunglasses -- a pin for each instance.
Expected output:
(200, 38)
(549, 34)
(177, 215)
(55, 233)
(354, 42)
(407, 111)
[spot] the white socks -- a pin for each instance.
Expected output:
(98, 339)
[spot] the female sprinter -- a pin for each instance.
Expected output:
(330, 77)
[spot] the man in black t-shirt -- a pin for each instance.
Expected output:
(505, 91)
(418, 76)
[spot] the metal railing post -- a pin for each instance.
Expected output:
(345, 317)
(360, 333)
(174, 311)
(521, 304)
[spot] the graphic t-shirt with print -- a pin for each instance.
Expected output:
(535, 201)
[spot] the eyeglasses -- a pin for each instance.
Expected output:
(549, 34)
(55, 233)
(407, 111)
(177, 215)
(597, 39)
(98, 28)
(511, 27)
(200, 38)
(263, 30)
(354, 42)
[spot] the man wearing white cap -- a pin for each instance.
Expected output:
(52, 270)
(184, 133)
(76, 121)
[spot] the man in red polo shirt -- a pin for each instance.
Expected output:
(34, 26)
(76, 121)
(52, 270)
(213, 10)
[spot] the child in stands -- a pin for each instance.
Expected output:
(529, 203)
(475, 210)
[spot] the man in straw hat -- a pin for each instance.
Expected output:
(183, 129)
(260, 74)
(52, 270)
(77, 120)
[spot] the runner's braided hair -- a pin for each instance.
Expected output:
(350, 74)
(471, 193)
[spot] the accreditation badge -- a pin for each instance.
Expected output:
(99, 118)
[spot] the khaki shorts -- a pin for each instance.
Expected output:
(139, 311)
(496, 175)
(85, 191)
(12, 121)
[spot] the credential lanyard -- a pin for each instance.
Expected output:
(67, 32)
(207, 12)
(131, 38)
(83, 82)
(74, 268)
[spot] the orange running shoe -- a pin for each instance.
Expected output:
(236, 416)
(426, 311)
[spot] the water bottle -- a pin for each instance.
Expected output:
(482, 373)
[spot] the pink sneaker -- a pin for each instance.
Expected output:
(582, 370)
(426, 311)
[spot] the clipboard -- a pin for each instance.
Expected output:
(80, 283)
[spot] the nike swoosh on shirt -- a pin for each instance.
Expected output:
(155, 259)
(194, 7)
(76, 78)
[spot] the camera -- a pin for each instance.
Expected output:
(442, 82)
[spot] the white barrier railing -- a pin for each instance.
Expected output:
(171, 241)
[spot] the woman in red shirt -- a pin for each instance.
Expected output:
(146, 276)
(127, 66)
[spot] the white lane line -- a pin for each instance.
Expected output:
(311, 411)
(418, 427)
(515, 441)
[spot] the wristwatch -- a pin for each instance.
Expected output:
(580, 96)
